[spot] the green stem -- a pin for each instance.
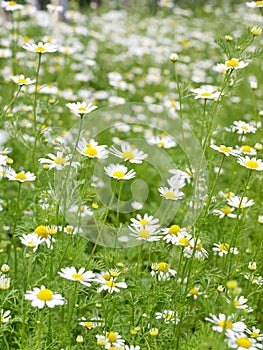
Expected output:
(40, 329)
(180, 96)
(35, 108)
(203, 122)
(15, 224)
(118, 204)
(71, 308)
(12, 101)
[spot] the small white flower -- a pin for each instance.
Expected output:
(129, 153)
(254, 4)
(5, 316)
(21, 176)
(119, 172)
(11, 5)
(251, 163)
(223, 322)
(235, 202)
(243, 128)
(40, 47)
(21, 80)
(31, 240)
(233, 63)
(207, 92)
(171, 193)
(227, 151)
(58, 161)
(81, 108)
(43, 296)
(82, 276)
(91, 149)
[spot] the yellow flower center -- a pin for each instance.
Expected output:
(51, 231)
(40, 49)
(41, 231)
(226, 210)
(254, 334)
(91, 151)
(144, 234)
(106, 276)
(112, 336)
(205, 94)
(69, 229)
(252, 164)
(20, 177)
(114, 274)
(199, 246)
(88, 324)
(161, 144)
(174, 230)
(228, 195)
(22, 81)
(194, 291)
(246, 149)
(77, 276)
(163, 266)
(169, 316)
(61, 161)
(244, 342)
(225, 324)
(144, 222)
(12, 3)
(82, 109)
(127, 155)
(232, 63)
(244, 127)
(110, 284)
(224, 247)
(236, 303)
(45, 294)
(225, 149)
(169, 195)
(31, 244)
(183, 241)
(259, 3)
(118, 174)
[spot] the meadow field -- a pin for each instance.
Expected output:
(131, 165)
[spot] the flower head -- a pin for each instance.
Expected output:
(119, 172)
(4, 316)
(233, 63)
(81, 108)
(21, 80)
(11, 5)
(40, 47)
(21, 176)
(251, 163)
(43, 296)
(81, 276)
(206, 92)
(129, 153)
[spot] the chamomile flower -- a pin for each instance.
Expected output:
(225, 211)
(31, 240)
(43, 232)
(21, 80)
(242, 127)
(223, 322)
(148, 233)
(165, 141)
(227, 151)
(169, 316)
(222, 249)
(11, 5)
(81, 210)
(240, 302)
(207, 92)
(241, 341)
(171, 193)
(58, 161)
(4, 282)
(255, 333)
(246, 149)
(111, 285)
(235, 202)
(119, 172)
(5, 316)
(91, 323)
(173, 233)
(71, 230)
(254, 4)
(195, 247)
(43, 296)
(3, 159)
(82, 276)
(40, 47)
(144, 221)
(251, 163)
(162, 271)
(91, 149)
(81, 108)
(129, 153)
(194, 293)
(233, 63)
(20, 176)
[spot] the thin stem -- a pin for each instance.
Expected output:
(12, 101)
(203, 121)
(40, 329)
(118, 204)
(71, 308)
(15, 224)
(180, 96)
(35, 107)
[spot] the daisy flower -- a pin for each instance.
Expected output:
(31, 240)
(80, 108)
(44, 233)
(246, 149)
(235, 202)
(58, 161)
(255, 333)
(243, 128)
(225, 211)
(194, 293)
(144, 221)
(70, 273)
(40, 47)
(173, 234)
(4, 316)
(91, 323)
(240, 302)
(170, 193)
(11, 5)
(223, 322)
(148, 233)
(71, 230)
(43, 296)
(195, 247)
(21, 80)
(169, 316)
(119, 172)
(4, 282)
(254, 4)
(165, 141)
(241, 341)
(91, 149)
(207, 92)
(129, 153)
(233, 63)
(81, 210)
(21, 176)
(222, 249)
(227, 151)
(112, 340)
(110, 285)
(162, 271)
(251, 163)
